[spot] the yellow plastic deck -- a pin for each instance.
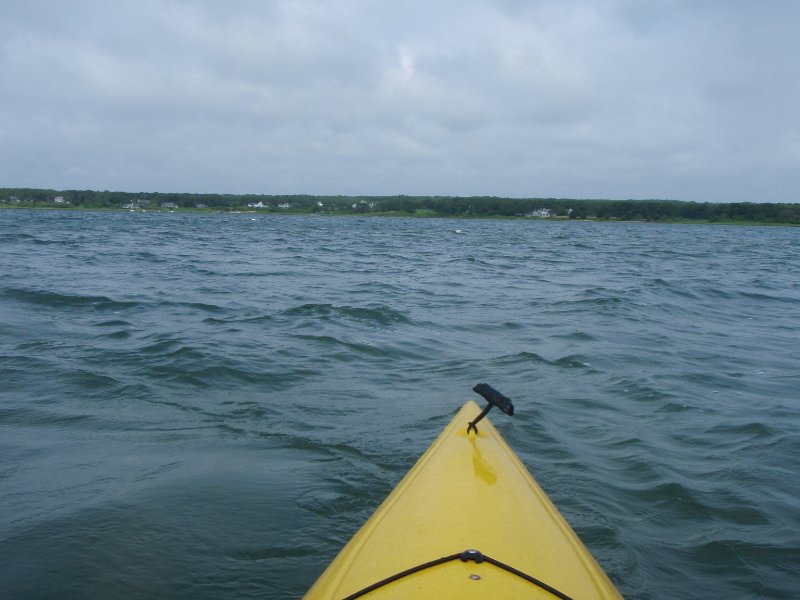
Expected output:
(466, 491)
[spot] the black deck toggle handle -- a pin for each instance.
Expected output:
(494, 398)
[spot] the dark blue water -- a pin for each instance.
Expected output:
(210, 405)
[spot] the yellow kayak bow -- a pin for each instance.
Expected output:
(468, 521)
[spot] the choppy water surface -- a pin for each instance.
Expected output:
(210, 405)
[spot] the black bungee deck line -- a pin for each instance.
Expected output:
(465, 556)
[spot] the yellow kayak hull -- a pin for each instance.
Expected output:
(467, 491)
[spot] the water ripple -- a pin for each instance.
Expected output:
(187, 399)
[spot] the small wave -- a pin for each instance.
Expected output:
(582, 304)
(164, 345)
(676, 407)
(16, 237)
(673, 496)
(363, 486)
(201, 306)
(520, 357)
(673, 287)
(329, 503)
(637, 390)
(358, 347)
(91, 381)
(58, 300)
(328, 312)
(270, 379)
(472, 259)
(120, 334)
(751, 431)
(377, 287)
(113, 323)
(254, 319)
(715, 293)
(148, 256)
(275, 552)
(757, 558)
(762, 297)
(571, 361)
(576, 336)
(48, 242)
(200, 373)
(29, 417)
(205, 272)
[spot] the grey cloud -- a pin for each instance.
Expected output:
(613, 99)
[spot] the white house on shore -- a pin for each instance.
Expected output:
(542, 213)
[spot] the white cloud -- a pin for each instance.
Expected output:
(556, 98)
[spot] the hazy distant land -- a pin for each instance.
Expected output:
(422, 206)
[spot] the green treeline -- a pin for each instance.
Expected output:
(444, 206)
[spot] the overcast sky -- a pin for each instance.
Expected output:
(690, 100)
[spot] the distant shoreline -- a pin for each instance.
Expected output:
(461, 207)
(397, 214)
